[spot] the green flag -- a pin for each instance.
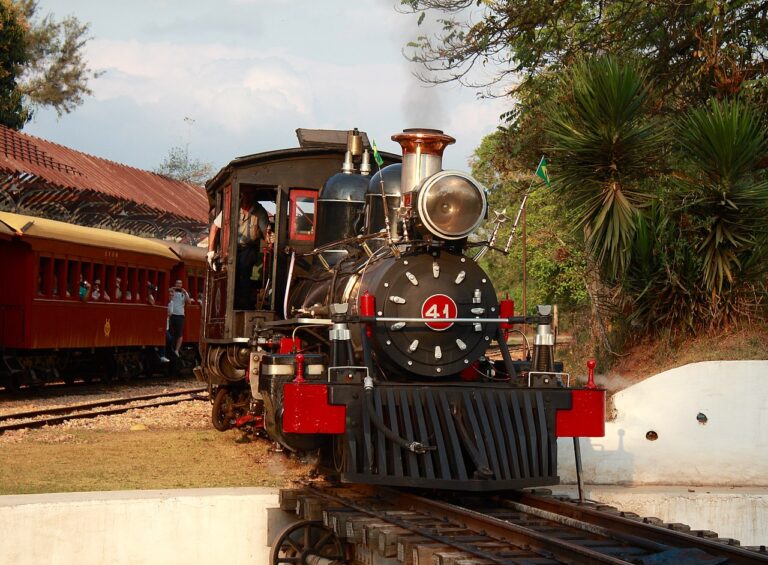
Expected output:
(542, 171)
(376, 156)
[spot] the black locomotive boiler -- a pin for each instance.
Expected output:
(362, 328)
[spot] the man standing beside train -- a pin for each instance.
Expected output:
(179, 298)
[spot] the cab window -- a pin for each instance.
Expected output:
(302, 214)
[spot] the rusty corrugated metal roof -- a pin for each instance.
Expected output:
(25, 156)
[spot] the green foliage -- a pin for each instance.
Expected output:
(662, 286)
(671, 210)
(12, 55)
(603, 145)
(722, 194)
(42, 63)
(180, 166)
(555, 261)
(694, 48)
(660, 166)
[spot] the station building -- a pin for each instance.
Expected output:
(44, 179)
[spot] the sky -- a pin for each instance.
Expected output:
(236, 77)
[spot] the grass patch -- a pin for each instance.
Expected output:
(88, 460)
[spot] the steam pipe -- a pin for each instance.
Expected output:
(412, 446)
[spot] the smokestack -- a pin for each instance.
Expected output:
(422, 154)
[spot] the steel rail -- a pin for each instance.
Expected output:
(629, 527)
(84, 415)
(506, 531)
(89, 405)
(425, 532)
(518, 536)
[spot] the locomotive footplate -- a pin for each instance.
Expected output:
(466, 436)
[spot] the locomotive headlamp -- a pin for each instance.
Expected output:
(451, 204)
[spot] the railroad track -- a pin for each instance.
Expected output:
(367, 525)
(53, 416)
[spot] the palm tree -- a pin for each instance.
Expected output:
(724, 195)
(603, 145)
(720, 147)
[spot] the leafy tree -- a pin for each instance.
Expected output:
(723, 197)
(43, 62)
(13, 54)
(675, 223)
(180, 166)
(555, 260)
(667, 210)
(694, 48)
(604, 145)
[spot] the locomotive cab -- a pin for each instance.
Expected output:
(265, 211)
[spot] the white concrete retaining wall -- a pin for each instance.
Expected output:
(737, 513)
(184, 527)
(730, 449)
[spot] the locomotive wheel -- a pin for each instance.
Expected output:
(339, 453)
(302, 540)
(223, 408)
(228, 406)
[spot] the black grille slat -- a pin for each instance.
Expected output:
(500, 437)
(442, 447)
(397, 452)
(511, 438)
(479, 439)
(491, 448)
(457, 457)
(521, 438)
(424, 438)
(530, 431)
(381, 446)
(543, 434)
(405, 406)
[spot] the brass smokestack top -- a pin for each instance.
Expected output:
(426, 141)
(422, 154)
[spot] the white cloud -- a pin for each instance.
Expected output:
(232, 87)
(248, 85)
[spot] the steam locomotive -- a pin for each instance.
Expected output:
(362, 331)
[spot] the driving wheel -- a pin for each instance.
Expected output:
(304, 541)
(223, 410)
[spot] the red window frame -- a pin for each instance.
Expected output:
(295, 195)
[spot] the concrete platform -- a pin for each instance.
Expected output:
(165, 527)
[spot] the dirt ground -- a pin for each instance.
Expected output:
(164, 447)
(652, 357)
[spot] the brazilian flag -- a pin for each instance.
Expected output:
(376, 155)
(542, 171)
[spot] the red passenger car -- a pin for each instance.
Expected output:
(77, 301)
